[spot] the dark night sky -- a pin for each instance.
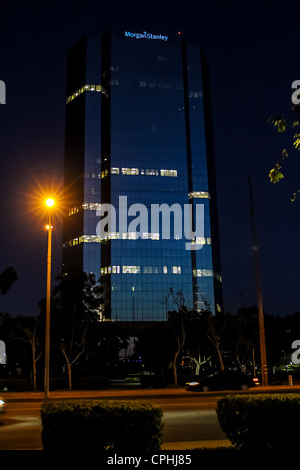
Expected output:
(253, 51)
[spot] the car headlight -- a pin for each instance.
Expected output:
(2, 402)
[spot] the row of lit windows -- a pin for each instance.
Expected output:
(199, 194)
(157, 270)
(131, 236)
(127, 236)
(151, 236)
(141, 269)
(207, 273)
(97, 88)
(136, 171)
(145, 84)
(92, 206)
(142, 84)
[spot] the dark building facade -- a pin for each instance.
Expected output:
(139, 140)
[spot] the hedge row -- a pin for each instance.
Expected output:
(96, 425)
(260, 421)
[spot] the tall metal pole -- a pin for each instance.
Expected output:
(263, 355)
(133, 318)
(48, 299)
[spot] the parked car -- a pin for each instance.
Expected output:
(2, 406)
(227, 380)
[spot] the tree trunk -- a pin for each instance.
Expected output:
(175, 372)
(220, 357)
(175, 368)
(69, 368)
(199, 362)
(33, 370)
(34, 376)
(70, 376)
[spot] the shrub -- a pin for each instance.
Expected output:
(262, 422)
(96, 425)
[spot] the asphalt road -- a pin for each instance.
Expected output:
(189, 420)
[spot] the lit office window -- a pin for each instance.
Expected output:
(199, 194)
(202, 272)
(130, 171)
(202, 241)
(136, 171)
(97, 88)
(176, 269)
(93, 206)
(154, 236)
(152, 172)
(217, 276)
(131, 269)
(168, 173)
(73, 210)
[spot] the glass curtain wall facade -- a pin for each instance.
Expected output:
(138, 126)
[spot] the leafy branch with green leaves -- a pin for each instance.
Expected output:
(282, 125)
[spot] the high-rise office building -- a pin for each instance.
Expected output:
(139, 140)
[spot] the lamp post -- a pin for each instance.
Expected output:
(50, 204)
(262, 339)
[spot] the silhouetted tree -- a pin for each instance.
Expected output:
(77, 300)
(179, 321)
(28, 327)
(7, 278)
(104, 341)
(198, 346)
(157, 346)
(217, 328)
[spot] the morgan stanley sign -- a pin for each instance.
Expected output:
(188, 222)
(145, 35)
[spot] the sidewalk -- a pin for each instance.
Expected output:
(191, 445)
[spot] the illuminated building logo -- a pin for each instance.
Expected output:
(145, 35)
(2, 92)
(160, 217)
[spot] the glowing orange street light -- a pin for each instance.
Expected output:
(49, 203)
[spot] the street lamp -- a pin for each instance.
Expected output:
(261, 323)
(49, 204)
